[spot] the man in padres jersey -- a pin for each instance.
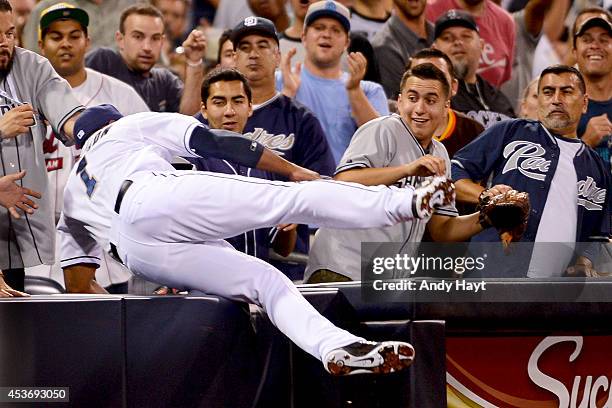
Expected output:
(394, 150)
(568, 182)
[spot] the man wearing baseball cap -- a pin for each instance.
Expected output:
(593, 53)
(342, 101)
(457, 35)
(64, 40)
(280, 124)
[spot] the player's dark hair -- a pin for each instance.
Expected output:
(224, 74)
(141, 10)
(427, 53)
(225, 36)
(594, 10)
(427, 71)
(5, 6)
(563, 69)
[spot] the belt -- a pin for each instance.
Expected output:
(124, 188)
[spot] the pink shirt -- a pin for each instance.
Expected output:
(496, 28)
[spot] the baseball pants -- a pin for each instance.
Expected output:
(171, 228)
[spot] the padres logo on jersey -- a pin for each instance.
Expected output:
(590, 196)
(527, 158)
(280, 143)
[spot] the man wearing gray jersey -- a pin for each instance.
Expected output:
(394, 150)
(30, 93)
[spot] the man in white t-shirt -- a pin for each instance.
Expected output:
(63, 39)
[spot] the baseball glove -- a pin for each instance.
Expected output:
(508, 212)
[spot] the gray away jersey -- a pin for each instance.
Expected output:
(30, 240)
(383, 142)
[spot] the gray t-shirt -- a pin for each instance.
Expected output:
(522, 66)
(383, 142)
(393, 45)
(161, 89)
(30, 240)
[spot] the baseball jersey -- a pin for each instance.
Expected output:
(139, 142)
(524, 155)
(293, 132)
(383, 142)
(161, 89)
(30, 240)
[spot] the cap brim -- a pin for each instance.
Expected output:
(331, 14)
(64, 14)
(439, 29)
(239, 34)
(594, 22)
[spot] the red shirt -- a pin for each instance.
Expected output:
(496, 28)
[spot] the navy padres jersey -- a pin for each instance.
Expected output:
(523, 154)
(293, 132)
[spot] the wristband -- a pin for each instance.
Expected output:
(194, 64)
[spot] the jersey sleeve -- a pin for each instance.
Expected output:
(372, 146)
(171, 131)
(54, 97)
(77, 245)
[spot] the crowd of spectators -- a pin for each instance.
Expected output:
(328, 94)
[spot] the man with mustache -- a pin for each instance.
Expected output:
(139, 40)
(30, 93)
(568, 183)
(458, 36)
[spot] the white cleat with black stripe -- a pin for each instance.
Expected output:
(367, 357)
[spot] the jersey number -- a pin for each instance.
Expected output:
(90, 182)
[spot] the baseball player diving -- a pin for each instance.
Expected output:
(169, 226)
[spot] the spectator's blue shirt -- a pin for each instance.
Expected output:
(329, 101)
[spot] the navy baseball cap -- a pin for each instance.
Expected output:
(253, 25)
(328, 8)
(92, 119)
(454, 18)
(595, 21)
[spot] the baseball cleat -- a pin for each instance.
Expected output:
(432, 193)
(368, 357)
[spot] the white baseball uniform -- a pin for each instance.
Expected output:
(171, 224)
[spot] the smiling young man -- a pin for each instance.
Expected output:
(593, 52)
(395, 150)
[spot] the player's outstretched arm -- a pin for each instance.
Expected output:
(80, 278)
(232, 146)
